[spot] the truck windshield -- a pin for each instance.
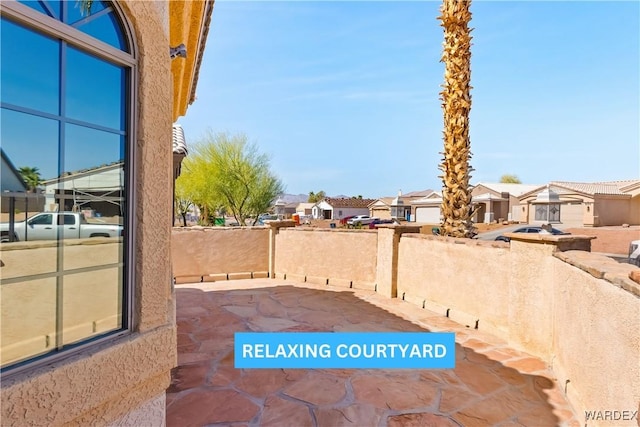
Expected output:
(46, 219)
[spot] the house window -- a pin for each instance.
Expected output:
(550, 213)
(65, 108)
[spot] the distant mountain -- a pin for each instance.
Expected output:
(294, 198)
(302, 198)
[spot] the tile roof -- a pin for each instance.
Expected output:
(422, 193)
(610, 188)
(513, 189)
(179, 143)
(348, 202)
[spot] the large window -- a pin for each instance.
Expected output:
(548, 213)
(65, 99)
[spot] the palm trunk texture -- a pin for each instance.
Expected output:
(456, 103)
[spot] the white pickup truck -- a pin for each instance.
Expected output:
(50, 225)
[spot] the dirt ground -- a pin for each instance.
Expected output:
(610, 240)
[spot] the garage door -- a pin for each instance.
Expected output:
(571, 214)
(428, 214)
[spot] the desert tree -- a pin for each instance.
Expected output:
(456, 170)
(316, 197)
(510, 179)
(228, 173)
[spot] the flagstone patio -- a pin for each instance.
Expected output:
(492, 383)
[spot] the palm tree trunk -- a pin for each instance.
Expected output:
(456, 103)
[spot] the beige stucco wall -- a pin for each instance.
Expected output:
(596, 338)
(586, 327)
(612, 210)
(345, 257)
(430, 270)
(219, 250)
(103, 384)
(634, 210)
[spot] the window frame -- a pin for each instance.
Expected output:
(46, 25)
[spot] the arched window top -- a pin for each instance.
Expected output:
(101, 22)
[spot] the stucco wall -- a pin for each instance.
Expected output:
(345, 257)
(103, 384)
(611, 210)
(584, 321)
(216, 250)
(596, 338)
(430, 270)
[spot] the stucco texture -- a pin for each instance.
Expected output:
(596, 340)
(347, 257)
(431, 269)
(206, 251)
(587, 327)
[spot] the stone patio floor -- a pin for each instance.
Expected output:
(492, 384)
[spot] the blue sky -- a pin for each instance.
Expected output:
(344, 95)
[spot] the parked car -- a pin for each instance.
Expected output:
(361, 220)
(346, 219)
(49, 225)
(529, 229)
(634, 252)
(374, 224)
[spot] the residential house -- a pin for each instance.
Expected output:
(426, 209)
(98, 189)
(584, 204)
(305, 208)
(494, 201)
(338, 208)
(398, 207)
(103, 354)
(15, 197)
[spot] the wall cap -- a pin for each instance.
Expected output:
(602, 267)
(280, 223)
(401, 228)
(548, 238)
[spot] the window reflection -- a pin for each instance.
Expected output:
(49, 8)
(28, 317)
(63, 168)
(104, 27)
(24, 56)
(94, 90)
(92, 303)
(100, 23)
(74, 13)
(30, 141)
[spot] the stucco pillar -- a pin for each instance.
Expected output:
(387, 265)
(532, 287)
(274, 229)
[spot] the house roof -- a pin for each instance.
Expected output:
(617, 188)
(383, 200)
(305, 205)
(348, 202)
(422, 193)
(84, 172)
(8, 167)
(513, 189)
(204, 32)
(431, 198)
(488, 197)
(179, 143)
